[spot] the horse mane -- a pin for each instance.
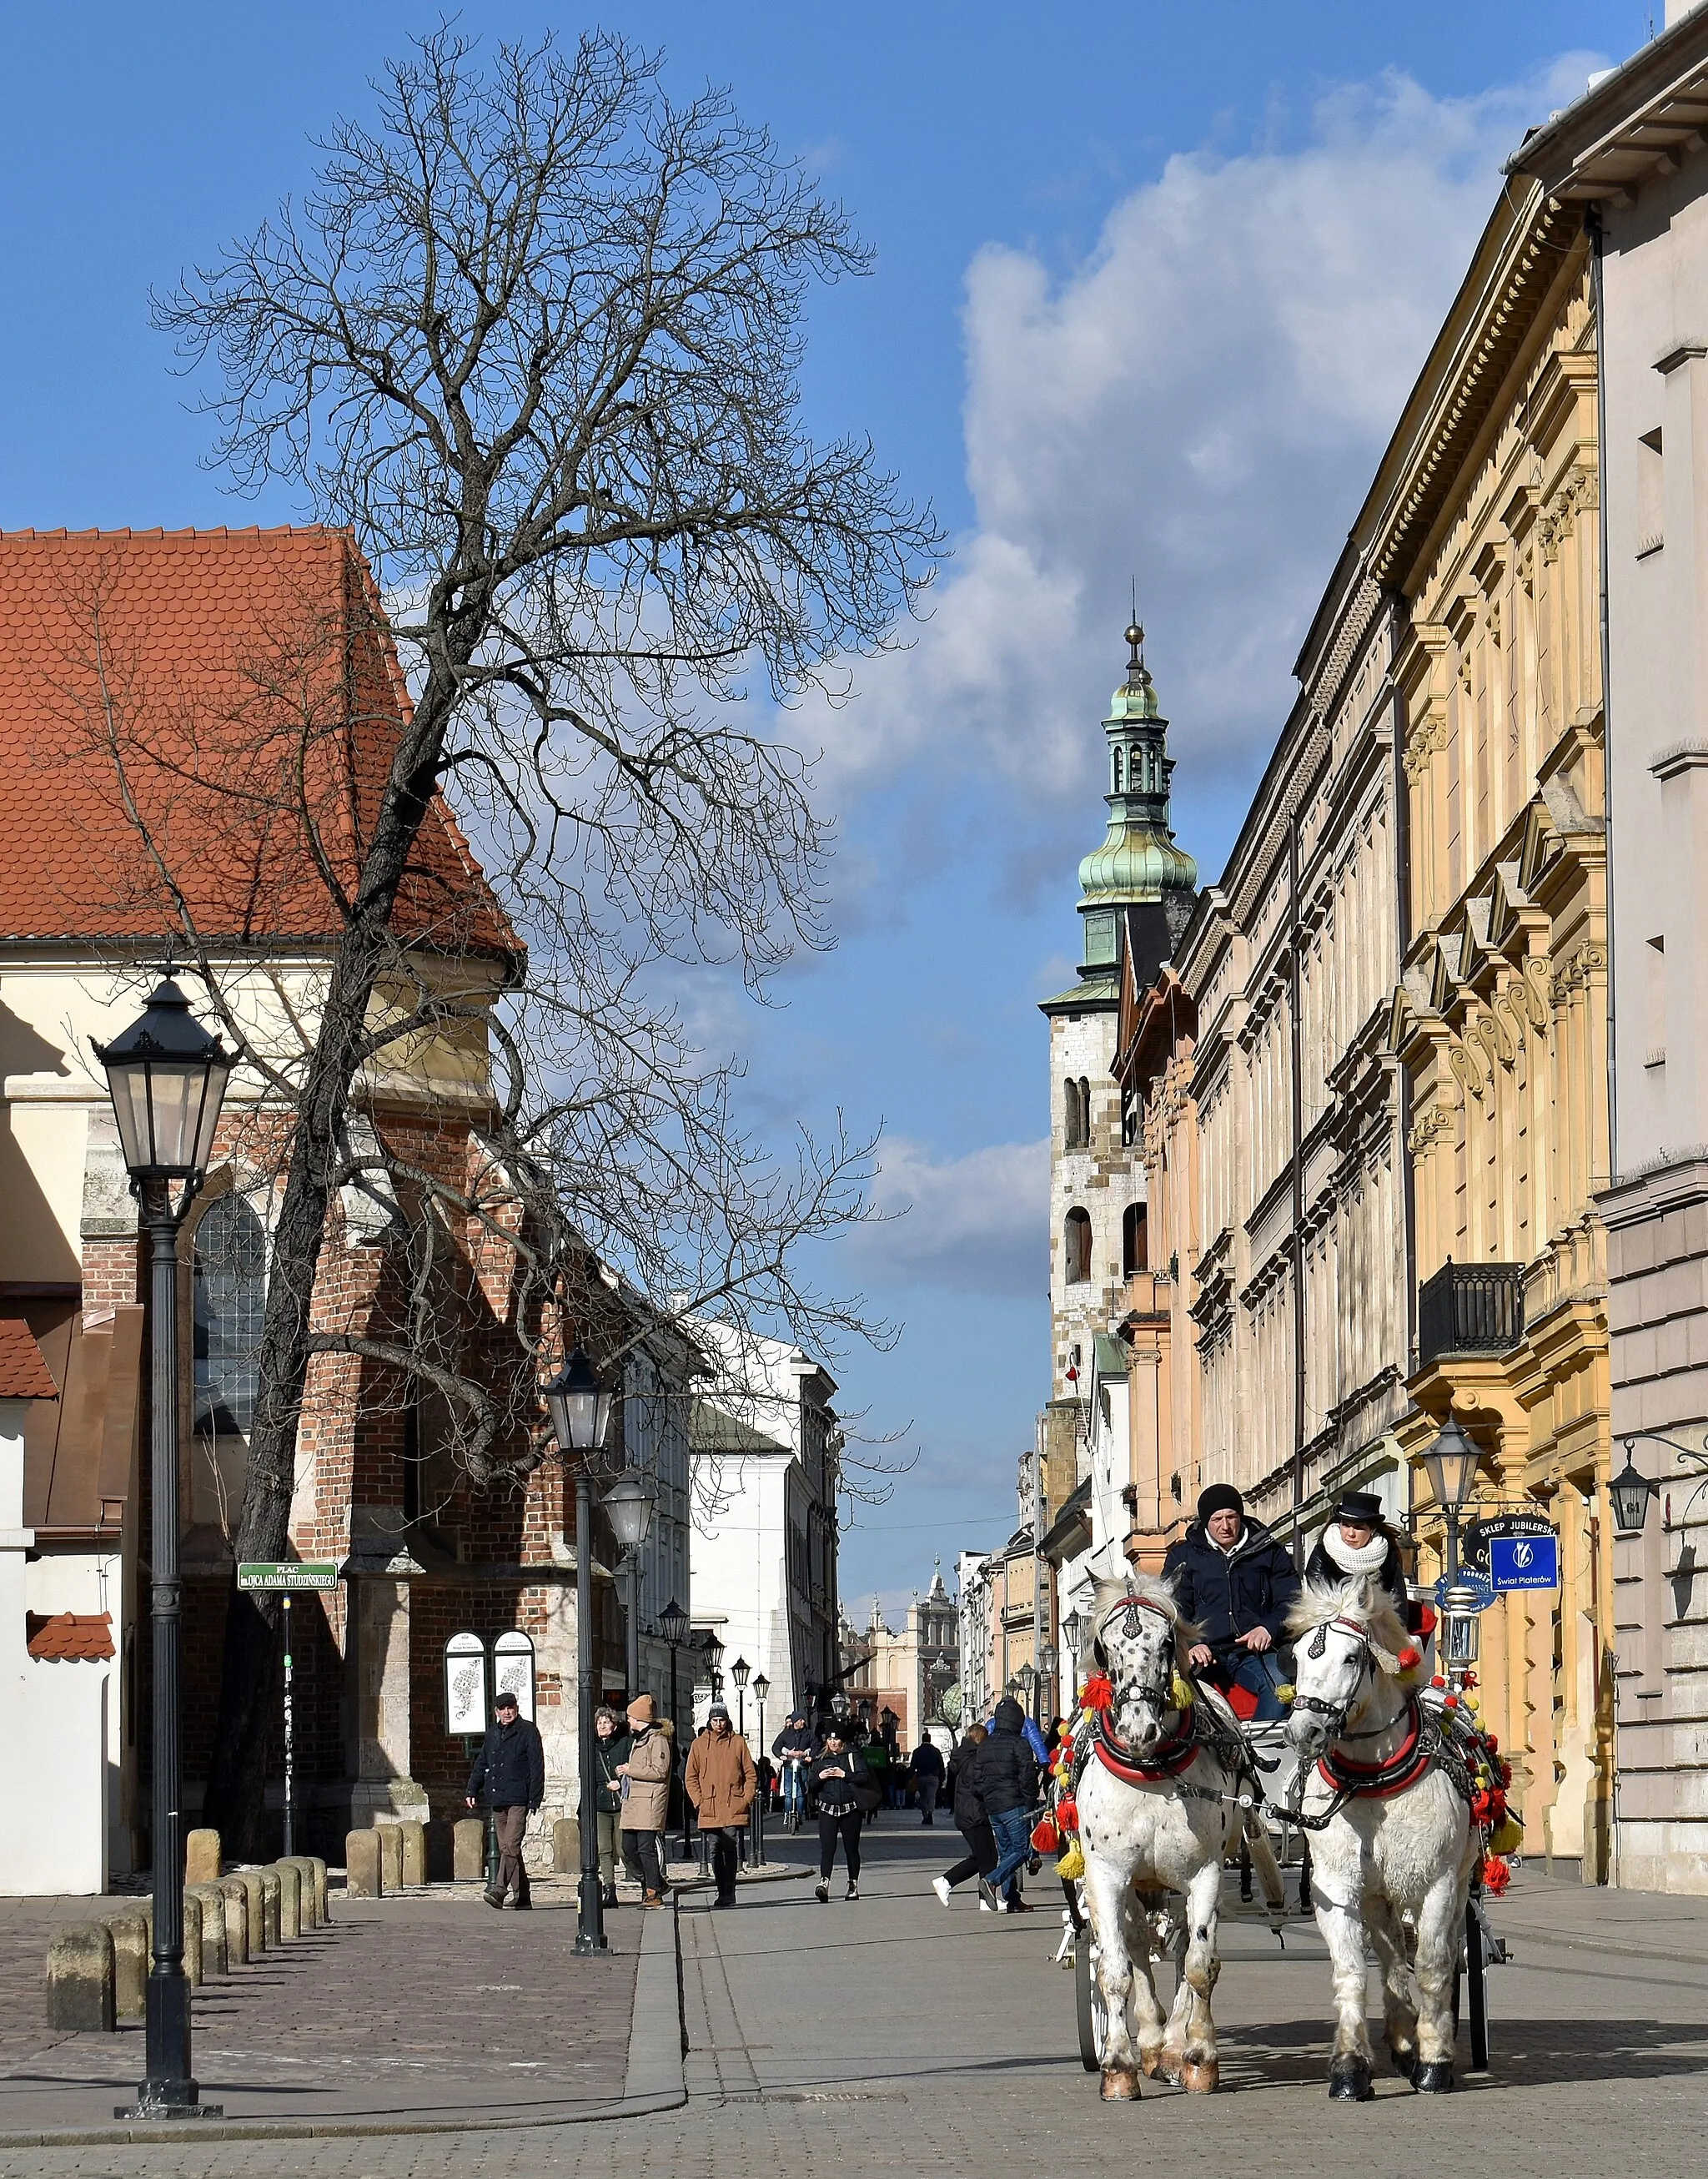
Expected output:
(1360, 1597)
(1109, 1593)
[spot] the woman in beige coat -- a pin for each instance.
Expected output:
(646, 1796)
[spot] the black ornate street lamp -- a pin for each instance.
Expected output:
(167, 1078)
(738, 1672)
(580, 1414)
(761, 1687)
(1631, 1491)
(629, 1504)
(1451, 1464)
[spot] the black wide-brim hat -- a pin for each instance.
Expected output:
(1362, 1506)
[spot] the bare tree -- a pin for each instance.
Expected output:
(533, 339)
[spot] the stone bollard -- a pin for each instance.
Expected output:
(80, 1977)
(468, 1851)
(412, 1843)
(270, 1908)
(255, 1905)
(391, 1855)
(566, 1845)
(192, 1940)
(323, 1909)
(363, 1878)
(201, 1857)
(437, 1838)
(211, 1901)
(311, 1916)
(232, 1891)
(290, 1899)
(128, 1930)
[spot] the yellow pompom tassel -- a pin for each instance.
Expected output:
(1181, 1692)
(1473, 1702)
(1507, 1837)
(1071, 1864)
(1284, 1695)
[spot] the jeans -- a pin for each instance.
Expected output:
(844, 1826)
(643, 1847)
(1259, 1672)
(981, 1856)
(928, 1799)
(1013, 1829)
(510, 1824)
(794, 1789)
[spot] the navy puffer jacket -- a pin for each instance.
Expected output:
(1228, 1593)
(1004, 1773)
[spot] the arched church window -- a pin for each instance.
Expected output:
(1076, 1247)
(1077, 1112)
(1135, 1239)
(229, 1293)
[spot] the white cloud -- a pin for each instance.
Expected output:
(978, 1224)
(1201, 403)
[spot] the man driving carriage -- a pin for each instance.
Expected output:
(1238, 1584)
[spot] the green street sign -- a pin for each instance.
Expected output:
(293, 1573)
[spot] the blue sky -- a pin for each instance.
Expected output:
(1151, 285)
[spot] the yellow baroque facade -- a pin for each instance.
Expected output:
(1500, 1015)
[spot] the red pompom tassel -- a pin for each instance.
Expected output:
(1045, 1837)
(1409, 1657)
(1496, 1875)
(1067, 1813)
(1097, 1693)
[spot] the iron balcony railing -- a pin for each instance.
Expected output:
(1470, 1309)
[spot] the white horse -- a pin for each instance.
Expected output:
(1392, 1836)
(1165, 1793)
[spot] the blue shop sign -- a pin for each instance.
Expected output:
(1524, 1561)
(1470, 1578)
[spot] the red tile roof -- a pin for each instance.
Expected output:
(23, 1374)
(69, 1638)
(247, 682)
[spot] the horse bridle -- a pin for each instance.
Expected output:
(1336, 1712)
(1127, 1611)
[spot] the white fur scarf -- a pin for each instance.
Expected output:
(1355, 1558)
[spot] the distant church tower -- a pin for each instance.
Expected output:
(1138, 878)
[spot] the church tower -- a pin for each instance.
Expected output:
(1139, 887)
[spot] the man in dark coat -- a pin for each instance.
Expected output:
(794, 1749)
(926, 1767)
(511, 1767)
(1232, 1577)
(1005, 1776)
(1355, 1542)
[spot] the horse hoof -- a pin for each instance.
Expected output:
(1199, 2076)
(1154, 2065)
(1350, 2084)
(1120, 2085)
(1433, 2077)
(1405, 2065)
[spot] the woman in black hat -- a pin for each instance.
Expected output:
(1358, 1541)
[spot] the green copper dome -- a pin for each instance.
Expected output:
(1138, 859)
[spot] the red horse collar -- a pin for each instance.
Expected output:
(1166, 1761)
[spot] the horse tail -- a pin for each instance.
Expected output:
(1268, 1871)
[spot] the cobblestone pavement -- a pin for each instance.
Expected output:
(421, 2006)
(887, 2031)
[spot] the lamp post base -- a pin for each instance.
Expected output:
(590, 1936)
(168, 2089)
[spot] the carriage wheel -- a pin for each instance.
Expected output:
(1089, 2004)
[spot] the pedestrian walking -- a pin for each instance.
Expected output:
(842, 1783)
(794, 1749)
(1233, 1578)
(721, 1781)
(971, 1821)
(926, 1767)
(1005, 1774)
(511, 1770)
(645, 1775)
(610, 1749)
(875, 1755)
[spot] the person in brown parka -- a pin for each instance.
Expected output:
(721, 1782)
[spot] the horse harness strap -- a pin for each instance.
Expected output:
(1166, 1761)
(1380, 1782)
